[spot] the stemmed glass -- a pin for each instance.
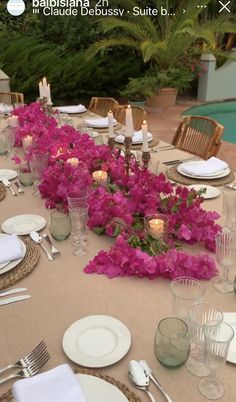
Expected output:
(38, 164)
(226, 258)
(216, 346)
(199, 315)
(76, 199)
(79, 219)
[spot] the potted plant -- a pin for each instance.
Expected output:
(134, 92)
(160, 88)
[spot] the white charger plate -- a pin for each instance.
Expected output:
(96, 389)
(23, 224)
(218, 175)
(8, 174)
(211, 192)
(96, 341)
(7, 266)
(230, 318)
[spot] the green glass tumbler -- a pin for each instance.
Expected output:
(172, 342)
(60, 225)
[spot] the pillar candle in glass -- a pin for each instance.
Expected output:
(73, 161)
(100, 176)
(156, 225)
(129, 122)
(110, 124)
(27, 142)
(145, 136)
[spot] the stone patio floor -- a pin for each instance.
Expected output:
(164, 122)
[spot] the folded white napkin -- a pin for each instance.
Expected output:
(99, 123)
(56, 385)
(6, 108)
(207, 168)
(137, 137)
(72, 109)
(10, 248)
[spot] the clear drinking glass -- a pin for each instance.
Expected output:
(25, 174)
(38, 164)
(3, 143)
(60, 225)
(186, 292)
(172, 342)
(216, 346)
(229, 208)
(199, 315)
(226, 258)
(79, 219)
(9, 133)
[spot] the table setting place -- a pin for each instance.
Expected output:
(196, 335)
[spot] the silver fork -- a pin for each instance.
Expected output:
(28, 359)
(48, 240)
(8, 184)
(19, 188)
(30, 370)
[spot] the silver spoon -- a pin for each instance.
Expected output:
(148, 371)
(38, 240)
(8, 184)
(139, 377)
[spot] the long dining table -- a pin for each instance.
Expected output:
(63, 293)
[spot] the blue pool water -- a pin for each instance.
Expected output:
(223, 112)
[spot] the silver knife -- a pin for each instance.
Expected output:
(14, 299)
(11, 291)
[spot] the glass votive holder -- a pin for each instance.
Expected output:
(172, 342)
(156, 225)
(186, 292)
(60, 225)
(25, 175)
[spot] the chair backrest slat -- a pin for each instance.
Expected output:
(138, 113)
(199, 135)
(11, 98)
(102, 106)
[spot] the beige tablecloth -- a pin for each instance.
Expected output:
(62, 293)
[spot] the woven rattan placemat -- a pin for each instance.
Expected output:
(23, 269)
(130, 395)
(3, 192)
(137, 147)
(174, 175)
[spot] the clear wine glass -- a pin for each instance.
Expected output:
(216, 346)
(38, 164)
(226, 258)
(9, 133)
(79, 219)
(199, 315)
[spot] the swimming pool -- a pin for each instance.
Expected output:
(223, 112)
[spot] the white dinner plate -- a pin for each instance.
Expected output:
(230, 318)
(101, 122)
(211, 192)
(23, 224)
(223, 173)
(120, 139)
(96, 389)
(8, 174)
(96, 341)
(5, 267)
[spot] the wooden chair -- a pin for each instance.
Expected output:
(138, 113)
(199, 135)
(11, 98)
(102, 106)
